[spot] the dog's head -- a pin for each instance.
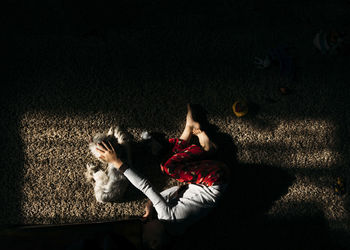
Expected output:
(113, 136)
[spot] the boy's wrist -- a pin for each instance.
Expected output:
(123, 167)
(120, 165)
(117, 163)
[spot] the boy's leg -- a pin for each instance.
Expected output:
(187, 133)
(181, 152)
(190, 125)
(176, 163)
(204, 140)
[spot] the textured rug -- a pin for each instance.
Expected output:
(288, 150)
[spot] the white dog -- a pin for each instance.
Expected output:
(111, 186)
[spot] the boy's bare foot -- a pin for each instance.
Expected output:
(189, 119)
(192, 125)
(204, 140)
(196, 131)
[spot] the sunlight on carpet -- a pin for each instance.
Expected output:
(56, 151)
(319, 199)
(290, 144)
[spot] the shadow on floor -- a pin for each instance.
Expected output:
(241, 218)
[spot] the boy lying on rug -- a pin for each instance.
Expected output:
(178, 207)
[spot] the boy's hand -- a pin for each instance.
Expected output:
(148, 210)
(108, 154)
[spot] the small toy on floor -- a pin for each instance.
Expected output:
(280, 56)
(339, 186)
(284, 91)
(329, 42)
(240, 108)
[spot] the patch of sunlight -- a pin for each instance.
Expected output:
(55, 156)
(290, 157)
(56, 151)
(318, 197)
(309, 143)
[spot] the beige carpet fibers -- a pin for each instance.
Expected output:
(55, 153)
(285, 155)
(54, 187)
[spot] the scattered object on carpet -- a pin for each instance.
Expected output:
(240, 108)
(145, 135)
(284, 90)
(278, 55)
(329, 42)
(340, 187)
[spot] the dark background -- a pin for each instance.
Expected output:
(205, 47)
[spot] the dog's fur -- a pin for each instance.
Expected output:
(111, 186)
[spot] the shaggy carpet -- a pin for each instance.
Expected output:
(286, 153)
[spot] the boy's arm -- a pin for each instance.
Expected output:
(160, 205)
(109, 155)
